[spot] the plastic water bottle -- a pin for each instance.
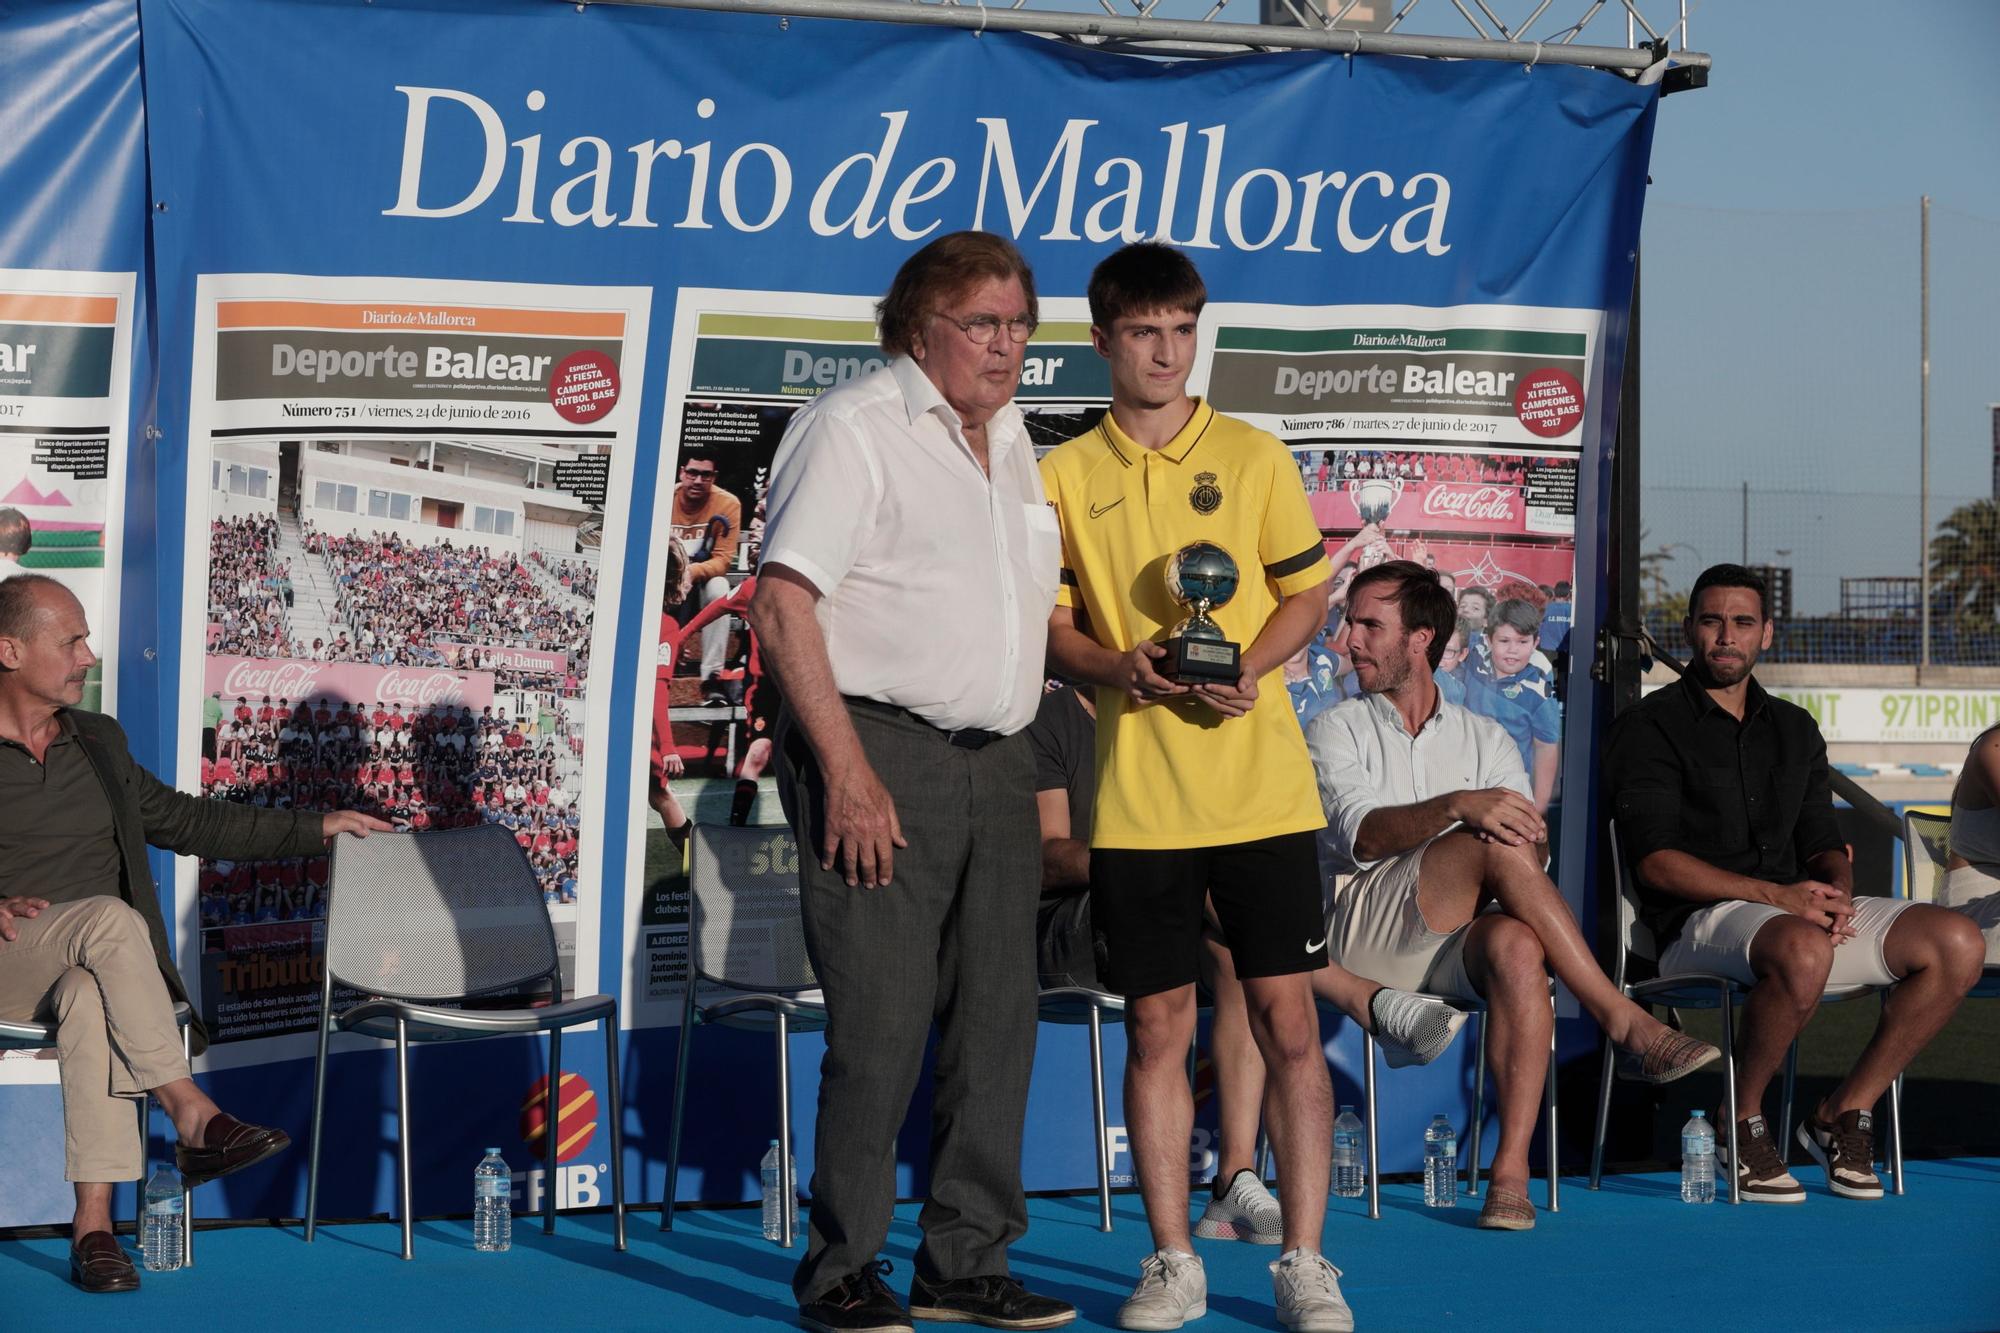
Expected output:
(1698, 1160)
(1347, 1157)
(1440, 1164)
(774, 1221)
(163, 1238)
(492, 1204)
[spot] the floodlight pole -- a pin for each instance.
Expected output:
(1924, 463)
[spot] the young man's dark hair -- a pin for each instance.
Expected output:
(1415, 591)
(1517, 613)
(1562, 590)
(1143, 279)
(942, 271)
(1730, 576)
(705, 452)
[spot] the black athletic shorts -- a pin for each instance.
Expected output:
(1146, 905)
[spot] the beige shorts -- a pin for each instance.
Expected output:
(1717, 939)
(1971, 891)
(1376, 931)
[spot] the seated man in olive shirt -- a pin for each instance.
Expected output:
(83, 943)
(1723, 808)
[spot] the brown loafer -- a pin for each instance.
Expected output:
(1672, 1055)
(232, 1145)
(97, 1262)
(1506, 1211)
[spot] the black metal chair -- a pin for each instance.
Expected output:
(28, 1035)
(746, 968)
(420, 922)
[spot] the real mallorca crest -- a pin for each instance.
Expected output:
(1206, 497)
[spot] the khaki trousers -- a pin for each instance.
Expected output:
(88, 967)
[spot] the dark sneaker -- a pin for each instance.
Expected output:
(1760, 1175)
(858, 1303)
(994, 1302)
(1846, 1148)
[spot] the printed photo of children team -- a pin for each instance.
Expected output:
(1499, 529)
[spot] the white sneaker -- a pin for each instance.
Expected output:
(1173, 1288)
(1411, 1029)
(1246, 1211)
(1307, 1289)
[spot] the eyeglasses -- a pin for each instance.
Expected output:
(983, 329)
(697, 471)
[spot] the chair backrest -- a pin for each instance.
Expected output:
(1926, 849)
(437, 916)
(1634, 937)
(744, 927)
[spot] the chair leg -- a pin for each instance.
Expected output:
(404, 1210)
(788, 1189)
(680, 1105)
(551, 1113)
(1729, 1091)
(318, 1124)
(1549, 1114)
(1374, 1141)
(1478, 1104)
(145, 1161)
(1097, 1111)
(615, 1111)
(187, 1195)
(1263, 1155)
(1597, 1135)
(1896, 1135)
(1784, 1134)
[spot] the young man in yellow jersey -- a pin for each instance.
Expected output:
(1202, 788)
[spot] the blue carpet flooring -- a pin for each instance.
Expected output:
(1631, 1257)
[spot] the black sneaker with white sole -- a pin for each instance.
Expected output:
(1846, 1149)
(1760, 1174)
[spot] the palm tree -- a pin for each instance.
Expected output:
(1965, 562)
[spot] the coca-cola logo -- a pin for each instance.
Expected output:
(419, 687)
(279, 680)
(1493, 504)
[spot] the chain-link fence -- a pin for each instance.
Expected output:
(1783, 427)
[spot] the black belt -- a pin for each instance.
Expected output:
(966, 738)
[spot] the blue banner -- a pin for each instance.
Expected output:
(444, 288)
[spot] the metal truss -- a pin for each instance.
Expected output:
(1645, 49)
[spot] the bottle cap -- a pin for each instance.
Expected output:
(1345, 1109)
(774, 1143)
(1698, 1115)
(492, 1152)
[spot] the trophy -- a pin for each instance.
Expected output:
(1374, 497)
(1201, 576)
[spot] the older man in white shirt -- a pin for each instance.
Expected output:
(909, 565)
(1430, 813)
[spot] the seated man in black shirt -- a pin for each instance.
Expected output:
(1723, 808)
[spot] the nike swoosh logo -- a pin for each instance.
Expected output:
(1096, 512)
(1316, 945)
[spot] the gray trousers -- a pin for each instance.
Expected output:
(949, 940)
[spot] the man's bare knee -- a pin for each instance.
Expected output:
(1286, 1028)
(1794, 955)
(1506, 955)
(1948, 941)
(1158, 1028)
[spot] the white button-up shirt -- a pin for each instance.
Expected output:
(935, 580)
(1366, 759)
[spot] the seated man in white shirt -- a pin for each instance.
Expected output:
(1429, 809)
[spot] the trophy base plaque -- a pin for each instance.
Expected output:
(1192, 661)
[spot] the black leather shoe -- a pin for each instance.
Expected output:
(97, 1262)
(994, 1302)
(232, 1145)
(858, 1303)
